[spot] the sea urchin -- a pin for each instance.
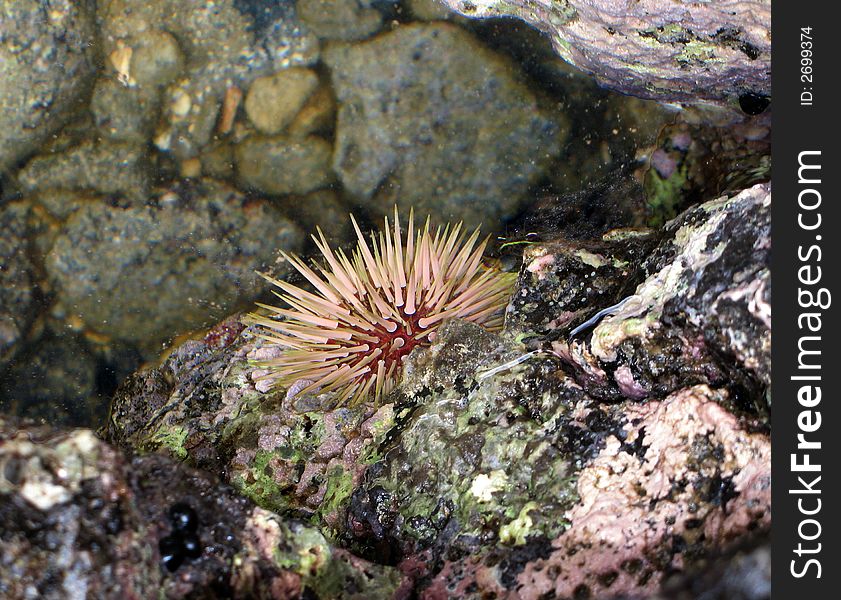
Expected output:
(370, 310)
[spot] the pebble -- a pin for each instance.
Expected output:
(282, 165)
(273, 101)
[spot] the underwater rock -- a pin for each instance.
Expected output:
(54, 381)
(206, 404)
(283, 165)
(47, 65)
(318, 114)
(156, 60)
(496, 466)
(322, 208)
(710, 52)
(741, 574)
(225, 45)
(17, 279)
(483, 452)
(163, 265)
(702, 314)
(676, 480)
(78, 519)
(562, 282)
(691, 163)
(122, 113)
(346, 20)
(108, 168)
(426, 112)
(272, 102)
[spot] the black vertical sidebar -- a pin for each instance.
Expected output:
(806, 299)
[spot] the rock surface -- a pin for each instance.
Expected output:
(340, 19)
(47, 65)
(161, 266)
(426, 113)
(272, 102)
(79, 520)
(108, 168)
(224, 45)
(667, 51)
(498, 467)
(17, 279)
(283, 165)
(702, 314)
(675, 480)
(55, 381)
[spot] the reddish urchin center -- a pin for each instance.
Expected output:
(398, 344)
(370, 310)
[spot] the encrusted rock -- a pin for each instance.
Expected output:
(496, 467)
(285, 455)
(483, 452)
(80, 520)
(667, 51)
(702, 314)
(562, 282)
(676, 479)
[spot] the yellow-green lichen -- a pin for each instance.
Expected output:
(339, 490)
(172, 439)
(515, 532)
(665, 196)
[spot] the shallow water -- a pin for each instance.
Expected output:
(187, 148)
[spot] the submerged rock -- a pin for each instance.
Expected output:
(78, 519)
(272, 102)
(702, 314)
(206, 404)
(54, 381)
(345, 20)
(163, 264)
(563, 281)
(668, 51)
(47, 65)
(108, 168)
(218, 46)
(17, 279)
(497, 467)
(284, 165)
(426, 112)
(675, 481)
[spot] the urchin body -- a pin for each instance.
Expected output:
(368, 311)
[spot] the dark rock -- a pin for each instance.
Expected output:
(78, 519)
(702, 314)
(17, 279)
